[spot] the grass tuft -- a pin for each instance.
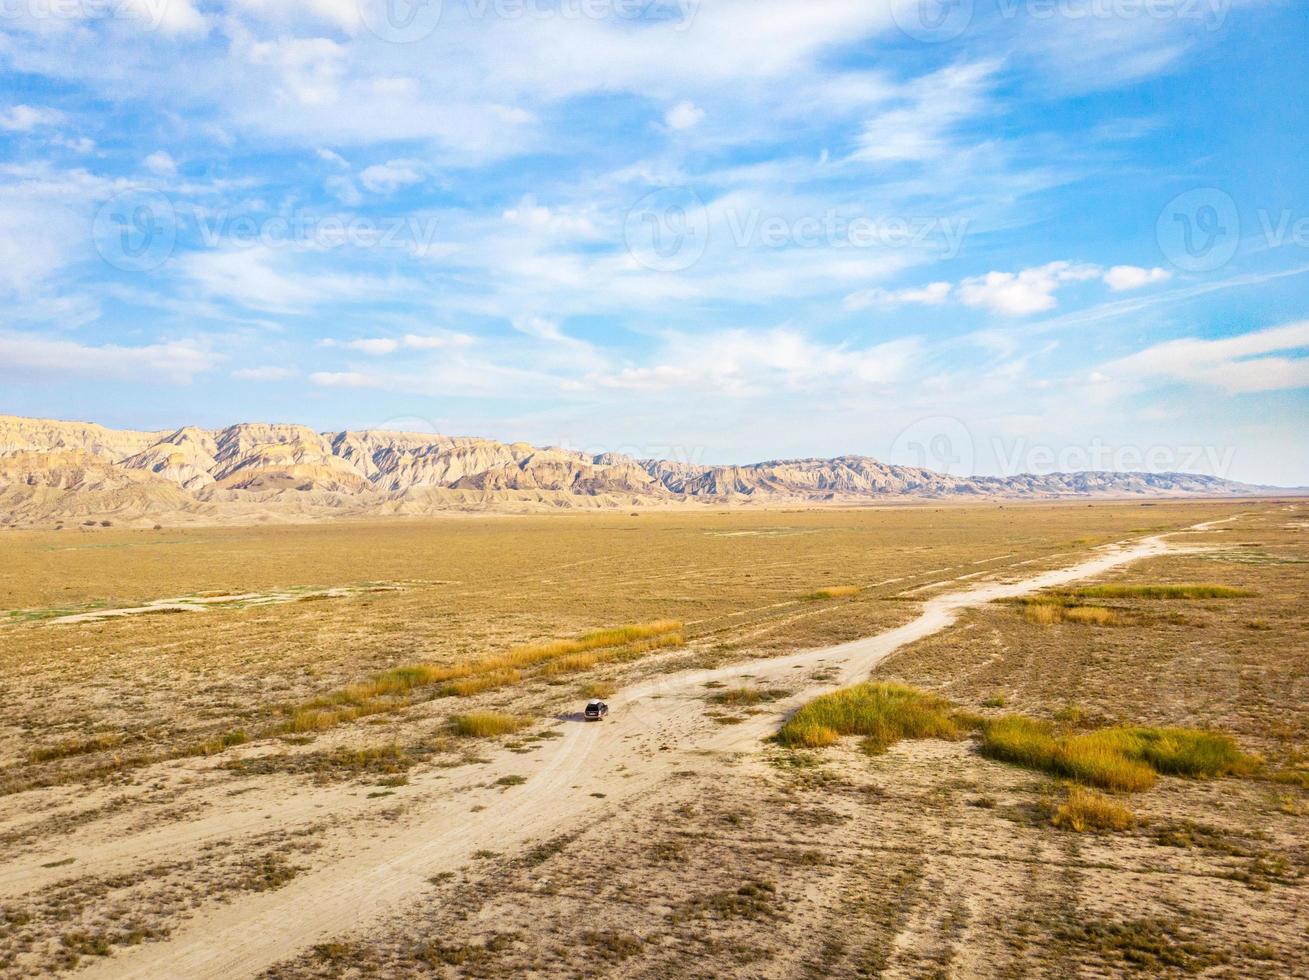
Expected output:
(882, 713)
(1045, 612)
(487, 724)
(748, 696)
(1085, 809)
(832, 592)
(76, 746)
(1203, 591)
(479, 684)
(1126, 759)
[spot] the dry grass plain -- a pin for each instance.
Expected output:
(152, 776)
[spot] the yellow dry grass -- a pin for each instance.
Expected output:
(430, 602)
(833, 592)
(1084, 809)
(1124, 758)
(1044, 612)
(882, 713)
(487, 724)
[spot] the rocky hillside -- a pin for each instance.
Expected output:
(68, 471)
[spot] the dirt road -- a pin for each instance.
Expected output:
(650, 727)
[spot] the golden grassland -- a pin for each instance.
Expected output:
(901, 849)
(1205, 672)
(474, 609)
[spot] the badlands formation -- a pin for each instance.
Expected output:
(52, 472)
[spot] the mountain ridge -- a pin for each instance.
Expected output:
(59, 471)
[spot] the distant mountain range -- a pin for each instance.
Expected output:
(73, 471)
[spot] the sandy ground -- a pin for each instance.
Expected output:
(447, 818)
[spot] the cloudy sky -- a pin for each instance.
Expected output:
(980, 235)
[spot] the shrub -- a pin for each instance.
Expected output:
(1085, 809)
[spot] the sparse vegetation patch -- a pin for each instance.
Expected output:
(1122, 758)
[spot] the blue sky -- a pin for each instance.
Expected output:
(989, 236)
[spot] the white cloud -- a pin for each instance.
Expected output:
(542, 329)
(265, 278)
(375, 345)
(384, 178)
(742, 362)
(1124, 277)
(684, 115)
(344, 190)
(933, 294)
(331, 156)
(337, 13)
(437, 342)
(922, 127)
(25, 118)
(161, 163)
(78, 144)
(1012, 293)
(345, 379)
(266, 374)
(1025, 292)
(26, 356)
(1232, 364)
(309, 70)
(178, 17)
(43, 223)
(379, 346)
(559, 223)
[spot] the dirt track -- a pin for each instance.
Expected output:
(649, 728)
